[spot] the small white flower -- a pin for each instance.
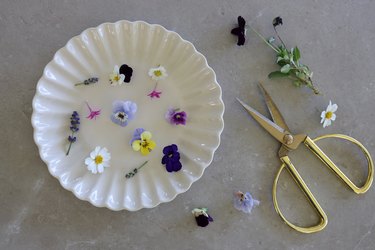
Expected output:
(115, 78)
(158, 73)
(98, 160)
(329, 114)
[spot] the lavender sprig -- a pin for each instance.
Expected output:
(91, 80)
(74, 127)
(135, 171)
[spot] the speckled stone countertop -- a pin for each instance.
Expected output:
(336, 41)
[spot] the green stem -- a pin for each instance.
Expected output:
(277, 50)
(70, 145)
(143, 164)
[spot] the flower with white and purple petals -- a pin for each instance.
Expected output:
(175, 117)
(202, 217)
(116, 78)
(123, 112)
(244, 202)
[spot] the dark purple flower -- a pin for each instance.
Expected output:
(174, 117)
(74, 127)
(240, 31)
(277, 21)
(127, 72)
(171, 158)
(202, 217)
(89, 81)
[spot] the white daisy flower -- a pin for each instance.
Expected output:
(158, 73)
(98, 160)
(115, 78)
(329, 114)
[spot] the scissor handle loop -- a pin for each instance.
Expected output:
(306, 191)
(310, 143)
(325, 159)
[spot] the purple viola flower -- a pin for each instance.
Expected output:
(137, 135)
(123, 112)
(202, 217)
(127, 72)
(175, 117)
(171, 158)
(244, 202)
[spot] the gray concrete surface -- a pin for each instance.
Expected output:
(336, 40)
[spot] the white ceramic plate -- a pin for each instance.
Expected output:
(190, 86)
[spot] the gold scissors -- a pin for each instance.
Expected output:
(280, 131)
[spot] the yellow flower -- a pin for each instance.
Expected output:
(145, 144)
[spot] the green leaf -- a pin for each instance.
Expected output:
(285, 68)
(296, 54)
(279, 58)
(297, 83)
(277, 74)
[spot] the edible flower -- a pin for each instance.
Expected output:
(123, 112)
(74, 127)
(145, 144)
(244, 202)
(329, 114)
(158, 73)
(175, 117)
(116, 78)
(171, 158)
(93, 113)
(202, 217)
(98, 160)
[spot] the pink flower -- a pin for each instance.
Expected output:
(93, 113)
(154, 94)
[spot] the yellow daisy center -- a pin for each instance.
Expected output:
(116, 78)
(98, 159)
(329, 115)
(157, 73)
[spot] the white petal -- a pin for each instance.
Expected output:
(97, 149)
(88, 161)
(116, 70)
(122, 77)
(323, 114)
(334, 108)
(333, 117)
(100, 168)
(92, 168)
(105, 164)
(326, 123)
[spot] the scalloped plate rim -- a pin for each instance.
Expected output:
(105, 204)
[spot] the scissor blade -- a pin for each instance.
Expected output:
(275, 130)
(274, 111)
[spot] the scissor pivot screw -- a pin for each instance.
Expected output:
(288, 139)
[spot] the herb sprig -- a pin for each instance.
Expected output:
(288, 60)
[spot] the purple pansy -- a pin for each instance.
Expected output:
(127, 72)
(175, 117)
(137, 135)
(244, 202)
(171, 158)
(202, 217)
(123, 112)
